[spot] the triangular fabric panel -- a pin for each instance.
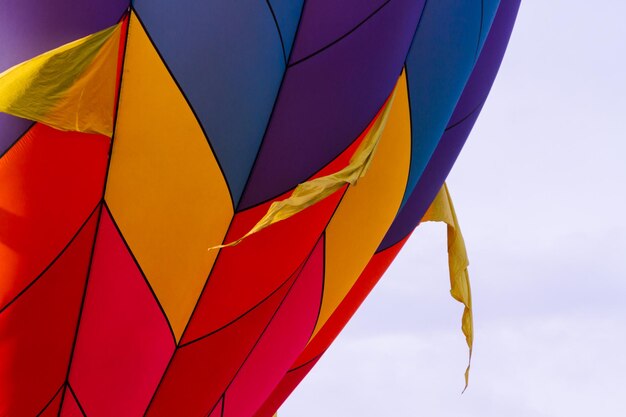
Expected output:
(281, 342)
(37, 330)
(124, 342)
(51, 183)
(201, 370)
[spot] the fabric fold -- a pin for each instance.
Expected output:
(311, 192)
(69, 88)
(442, 210)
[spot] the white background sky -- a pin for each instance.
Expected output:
(541, 197)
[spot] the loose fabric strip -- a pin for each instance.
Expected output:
(442, 210)
(311, 192)
(69, 88)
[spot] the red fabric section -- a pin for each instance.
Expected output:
(201, 371)
(70, 407)
(370, 276)
(318, 345)
(120, 58)
(52, 410)
(246, 273)
(281, 343)
(282, 391)
(124, 342)
(37, 330)
(217, 411)
(51, 181)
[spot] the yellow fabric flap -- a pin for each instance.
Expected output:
(442, 210)
(313, 191)
(69, 88)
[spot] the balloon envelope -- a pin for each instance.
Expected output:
(111, 303)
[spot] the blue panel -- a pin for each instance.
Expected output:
(439, 63)
(490, 7)
(227, 57)
(288, 15)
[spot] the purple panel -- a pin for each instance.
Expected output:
(11, 128)
(327, 101)
(459, 127)
(323, 21)
(31, 27)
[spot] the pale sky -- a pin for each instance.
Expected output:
(540, 194)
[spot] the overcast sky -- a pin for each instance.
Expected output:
(541, 197)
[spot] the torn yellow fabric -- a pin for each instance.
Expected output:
(313, 191)
(69, 88)
(442, 210)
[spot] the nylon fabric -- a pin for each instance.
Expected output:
(311, 192)
(69, 88)
(442, 210)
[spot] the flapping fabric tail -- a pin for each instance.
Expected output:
(69, 88)
(313, 191)
(442, 210)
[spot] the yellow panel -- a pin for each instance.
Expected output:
(368, 208)
(165, 189)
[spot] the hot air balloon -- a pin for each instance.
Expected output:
(196, 196)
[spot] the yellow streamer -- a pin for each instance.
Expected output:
(311, 192)
(69, 88)
(442, 210)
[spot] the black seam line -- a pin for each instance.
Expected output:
(45, 407)
(271, 320)
(191, 108)
(143, 275)
(341, 37)
(80, 407)
(467, 116)
(20, 137)
(214, 407)
(480, 28)
(56, 258)
(211, 333)
(408, 90)
(169, 363)
(223, 405)
(408, 175)
(271, 115)
(104, 186)
(280, 35)
(324, 166)
(70, 360)
(319, 310)
(316, 357)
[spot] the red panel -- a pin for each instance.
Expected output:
(248, 272)
(70, 407)
(201, 371)
(282, 391)
(37, 331)
(52, 409)
(51, 181)
(124, 342)
(217, 411)
(281, 343)
(305, 362)
(346, 309)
